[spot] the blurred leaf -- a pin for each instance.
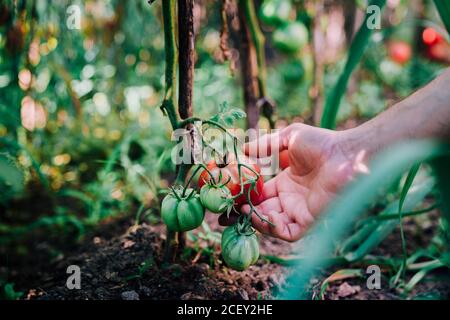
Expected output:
(10, 293)
(12, 180)
(442, 170)
(355, 54)
(368, 99)
(228, 116)
(384, 228)
(443, 7)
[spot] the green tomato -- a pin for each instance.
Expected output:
(291, 37)
(239, 250)
(182, 213)
(292, 71)
(216, 199)
(275, 12)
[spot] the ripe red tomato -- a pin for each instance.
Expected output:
(230, 171)
(439, 52)
(399, 51)
(284, 159)
(431, 37)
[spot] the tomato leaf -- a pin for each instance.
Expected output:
(227, 116)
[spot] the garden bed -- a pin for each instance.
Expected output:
(123, 261)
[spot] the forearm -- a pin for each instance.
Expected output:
(425, 114)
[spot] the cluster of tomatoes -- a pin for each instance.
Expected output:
(289, 36)
(222, 188)
(437, 47)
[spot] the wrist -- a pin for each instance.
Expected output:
(358, 142)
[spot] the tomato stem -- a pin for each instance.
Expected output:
(200, 166)
(175, 193)
(253, 209)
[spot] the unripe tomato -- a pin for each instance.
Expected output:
(399, 51)
(293, 71)
(216, 199)
(284, 159)
(291, 37)
(239, 249)
(229, 172)
(182, 213)
(275, 12)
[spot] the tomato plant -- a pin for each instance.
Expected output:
(240, 247)
(224, 187)
(181, 210)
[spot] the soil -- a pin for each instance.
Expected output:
(124, 261)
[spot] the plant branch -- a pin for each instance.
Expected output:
(249, 69)
(168, 104)
(258, 41)
(264, 104)
(186, 56)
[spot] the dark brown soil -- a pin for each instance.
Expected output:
(121, 261)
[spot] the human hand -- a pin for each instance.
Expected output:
(321, 163)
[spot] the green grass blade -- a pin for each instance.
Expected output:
(408, 183)
(442, 171)
(352, 202)
(352, 242)
(421, 274)
(443, 7)
(355, 54)
(386, 227)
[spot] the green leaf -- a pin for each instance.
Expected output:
(355, 54)
(408, 183)
(228, 116)
(10, 293)
(442, 170)
(12, 179)
(339, 276)
(443, 7)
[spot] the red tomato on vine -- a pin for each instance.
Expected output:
(431, 37)
(229, 172)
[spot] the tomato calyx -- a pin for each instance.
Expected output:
(180, 193)
(244, 227)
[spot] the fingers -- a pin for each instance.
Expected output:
(270, 189)
(283, 226)
(265, 145)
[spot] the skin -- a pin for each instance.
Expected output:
(323, 161)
